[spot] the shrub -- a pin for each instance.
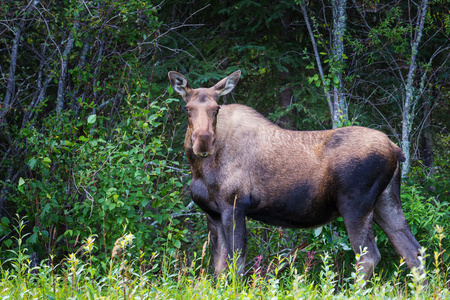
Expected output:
(98, 175)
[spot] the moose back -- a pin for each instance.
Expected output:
(244, 165)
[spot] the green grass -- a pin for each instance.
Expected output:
(174, 277)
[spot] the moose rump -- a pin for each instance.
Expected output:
(244, 165)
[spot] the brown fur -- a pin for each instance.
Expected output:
(244, 165)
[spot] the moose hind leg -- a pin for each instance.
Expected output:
(360, 232)
(390, 217)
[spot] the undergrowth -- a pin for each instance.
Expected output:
(176, 277)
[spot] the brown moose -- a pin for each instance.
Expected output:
(244, 165)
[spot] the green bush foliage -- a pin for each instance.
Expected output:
(87, 176)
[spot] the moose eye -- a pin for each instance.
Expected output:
(186, 109)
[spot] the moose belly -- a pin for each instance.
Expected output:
(299, 208)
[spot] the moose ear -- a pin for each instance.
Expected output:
(179, 83)
(227, 84)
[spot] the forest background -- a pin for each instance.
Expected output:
(91, 135)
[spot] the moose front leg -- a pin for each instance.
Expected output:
(218, 243)
(233, 222)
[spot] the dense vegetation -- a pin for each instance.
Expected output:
(91, 136)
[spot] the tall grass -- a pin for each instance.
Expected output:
(174, 277)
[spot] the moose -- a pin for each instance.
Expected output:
(244, 165)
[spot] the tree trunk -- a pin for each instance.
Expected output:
(409, 102)
(340, 113)
(10, 87)
(63, 75)
(337, 105)
(8, 102)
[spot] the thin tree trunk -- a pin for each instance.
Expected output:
(8, 101)
(63, 75)
(408, 113)
(316, 55)
(10, 87)
(340, 112)
(337, 105)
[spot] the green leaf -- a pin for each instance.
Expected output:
(47, 208)
(8, 243)
(91, 119)
(83, 138)
(318, 231)
(46, 162)
(33, 238)
(21, 181)
(158, 218)
(145, 202)
(110, 191)
(336, 79)
(32, 163)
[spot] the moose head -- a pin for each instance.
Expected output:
(202, 109)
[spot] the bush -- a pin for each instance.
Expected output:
(101, 176)
(423, 215)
